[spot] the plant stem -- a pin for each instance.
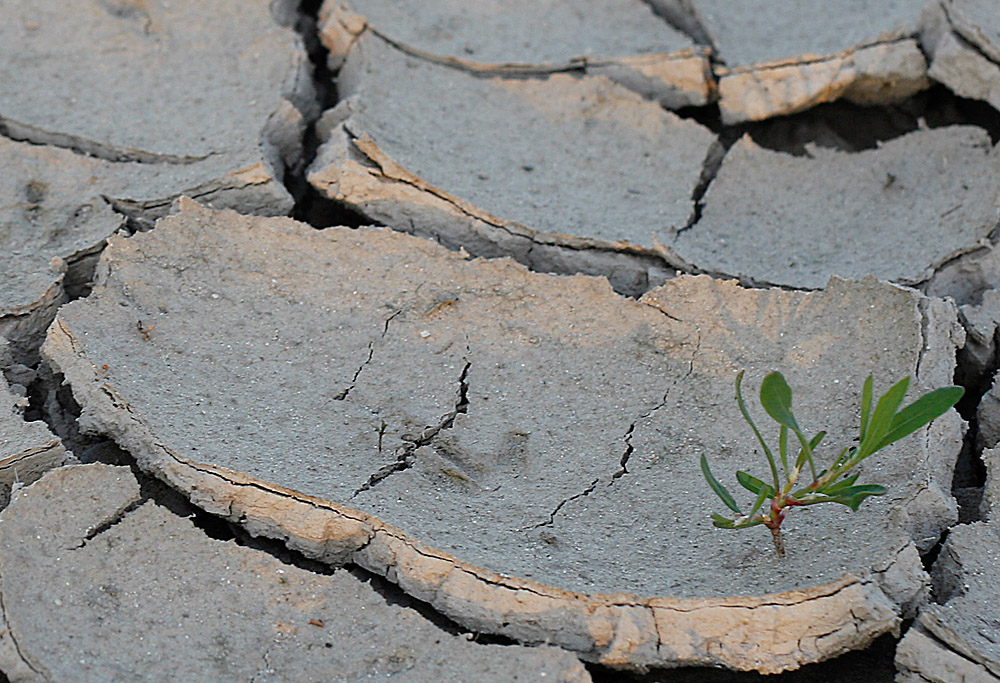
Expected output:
(779, 545)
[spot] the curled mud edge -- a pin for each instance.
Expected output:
(769, 634)
(878, 73)
(355, 172)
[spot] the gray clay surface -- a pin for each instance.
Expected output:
(790, 220)
(56, 212)
(560, 155)
(524, 31)
(97, 585)
(505, 398)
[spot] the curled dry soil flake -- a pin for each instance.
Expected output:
(565, 174)
(97, 585)
(784, 57)
(519, 450)
(622, 39)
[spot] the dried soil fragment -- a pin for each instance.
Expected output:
(213, 93)
(782, 58)
(962, 38)
(563, 173)
(790, 220)
(622, 39)
(356, 392)
(97, 585)
(959, 641)
(27, 449)
(956, 639)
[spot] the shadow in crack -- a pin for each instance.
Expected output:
(310, 206)
(852, 128)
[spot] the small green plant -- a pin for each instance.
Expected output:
(886, 425)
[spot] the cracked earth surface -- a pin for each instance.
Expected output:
(446, 421)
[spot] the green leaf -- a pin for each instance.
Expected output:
(925, 409)
(885, 409)
(816, 440)
(719, 489)
(783, 448)
(854, 495)
(753, 484)
(776, 397)
(839, 486)
(760, 439)
(866, 406)
(722, 522)
(761, 497)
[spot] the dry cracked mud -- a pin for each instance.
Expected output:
(446, 421)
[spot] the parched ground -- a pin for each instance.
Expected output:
(363, 340)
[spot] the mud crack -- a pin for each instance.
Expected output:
(406, 452)
(371, 353)
(555, 511)
(115, 519)
(23, 132)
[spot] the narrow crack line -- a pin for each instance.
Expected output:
(112, 521)
(403, 461)
(13, 640)
(555, 511)
(694, 354)
(669, 315)
(483, 69)
(347, 390)
(629, 448)
(371, 354)
(385, 327)
(23, 132)
(819, 59)
(710, 167)
(406, 452)
(265, 657)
